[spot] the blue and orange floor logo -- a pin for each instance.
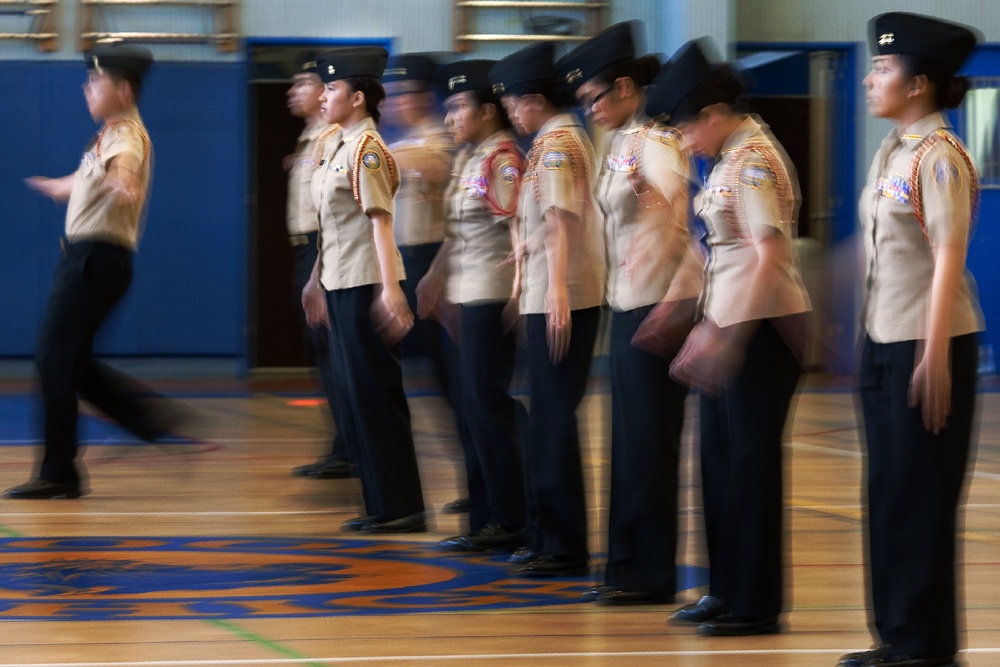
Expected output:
(185, 578)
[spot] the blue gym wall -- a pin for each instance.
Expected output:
(189, 293)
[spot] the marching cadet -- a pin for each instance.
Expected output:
(919, 356)
(560, 286)
(642, 189)
(482, 205)
(423, 154)
(303, 231)
(106, 199)
(749, 337)
(355, 287)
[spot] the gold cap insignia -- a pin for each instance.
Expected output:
(886, 38)
(396, 71)
(455, 80)
(574, 75)
(331, 69)
(499, 89)
(309, 65)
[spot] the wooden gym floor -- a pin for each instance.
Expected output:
(208, 552)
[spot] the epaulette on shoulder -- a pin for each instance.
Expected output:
(367, 158)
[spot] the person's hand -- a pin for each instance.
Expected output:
(709, 359)
(428, 293)
(53, 188)
(391, 314)
(558, 323)
(314, 305)
(930, 388)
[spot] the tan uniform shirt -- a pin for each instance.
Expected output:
(558, 177)
(302, 216)
(479, 234)
(900, 258)
(750, 195)
(649, 249)
(420, 203)
(93, 214)
(355, 160)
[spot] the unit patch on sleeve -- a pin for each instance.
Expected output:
(554, 160)
(757, 177)
(371, 161)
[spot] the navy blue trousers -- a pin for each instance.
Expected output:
(90, 280)
(647, 418)
(369, 388)
(495, 419)
(318, 340)
(554, 475)
(741, 471)
(915, 481)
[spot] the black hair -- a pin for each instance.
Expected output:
(949, 90)
(641, 70)
(373, 90)
(482, 96)
(724, 87)
(119, 74)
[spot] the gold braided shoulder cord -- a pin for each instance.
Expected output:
(734, 211)
(359, 150)
(577, 154)
(124, 121)
(916, 164)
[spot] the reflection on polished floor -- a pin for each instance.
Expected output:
(207, 552)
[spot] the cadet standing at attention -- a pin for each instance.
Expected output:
(303, 233)
(642, 190)
(355, 287)
(750, 338)
(481, 203)
(561, 285)
(920, 353)
(107, 196)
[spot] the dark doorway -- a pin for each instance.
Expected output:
(275, 331)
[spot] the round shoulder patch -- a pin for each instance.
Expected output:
(509, 173)
(947, 177)
(757, 176)
(371, 161)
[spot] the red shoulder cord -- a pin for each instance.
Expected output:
(508, 148)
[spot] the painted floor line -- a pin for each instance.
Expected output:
(465, 657)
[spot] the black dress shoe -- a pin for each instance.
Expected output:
(594, 592)
(859, 658)
(491, 537)
(626, 596)
(324, 469)
(413, 523)
(40, 489)
(548, 565)
(705, 609)
(522, 556)
(460, 506)
(357, 524)
(892, 658)
(728, 625)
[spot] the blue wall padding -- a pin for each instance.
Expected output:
(189, 293)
